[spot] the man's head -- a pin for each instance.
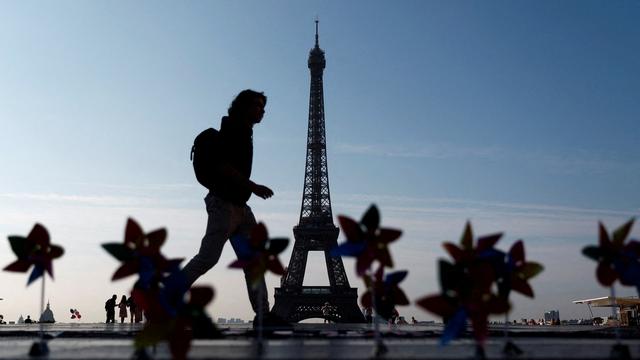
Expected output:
(248, 106)
(114, 296)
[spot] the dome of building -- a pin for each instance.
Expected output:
(47, 315)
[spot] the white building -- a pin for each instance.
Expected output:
(47, 315)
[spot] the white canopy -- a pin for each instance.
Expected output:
(608, 301)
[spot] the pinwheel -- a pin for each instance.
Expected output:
(191, 321)
(616, 259)
(516, 272)
(257, 253)
(366, 240)
(384, 293)
(466, 287)
(368, 243)
(160, 292)
(34, 250)
(140, 253)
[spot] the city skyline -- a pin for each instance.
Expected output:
(520, 117)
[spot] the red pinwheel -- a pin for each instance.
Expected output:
(36, 249)
(466, 287)
(258, 253)
(160, 292)
(140, 253)
(384, 292)
(191, 321)
(616, 260)
(366, 240)
(484, 249)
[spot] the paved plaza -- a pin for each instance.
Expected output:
(319, 341)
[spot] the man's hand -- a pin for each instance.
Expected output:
(261, 191)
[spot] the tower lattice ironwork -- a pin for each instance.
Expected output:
(316, 230)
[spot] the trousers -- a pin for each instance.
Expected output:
(225, 220)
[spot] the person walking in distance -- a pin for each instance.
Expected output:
(123, 308)
(110, 306)
(222, 161)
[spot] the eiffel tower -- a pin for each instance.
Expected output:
(315, 230)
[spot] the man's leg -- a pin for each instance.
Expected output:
(258, 293)
(217, 233)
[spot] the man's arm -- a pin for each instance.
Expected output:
(259, 190)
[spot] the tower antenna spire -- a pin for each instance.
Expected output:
(317, 45)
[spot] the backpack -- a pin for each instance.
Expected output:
(202, 153)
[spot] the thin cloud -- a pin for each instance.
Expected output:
(433, 151)
(569, 162)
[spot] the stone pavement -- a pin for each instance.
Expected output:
(319, 341)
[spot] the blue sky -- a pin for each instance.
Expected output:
(520, 116)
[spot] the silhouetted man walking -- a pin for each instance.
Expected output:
(109, 306)
(229, 160)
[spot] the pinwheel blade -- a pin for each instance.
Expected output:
(39, 235)
(19, 246)
(156, 239)
(242, 247)
(35, 274)
(133, 232)
(371, 218)
(351, 229)
(620, 235)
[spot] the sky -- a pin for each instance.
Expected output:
(519, 116)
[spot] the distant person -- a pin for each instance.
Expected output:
(132, 308)
(123, 308)
(110, 307)
(222, 162)
(414, 321)
(368, 314)
(394, 317)
(28, 320)
(326, 312)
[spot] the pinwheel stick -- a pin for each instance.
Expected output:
(613, 312)
(260, 322)
(44, 276)
(380, 349)
(40, 348)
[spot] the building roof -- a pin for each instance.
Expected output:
(609, 301)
